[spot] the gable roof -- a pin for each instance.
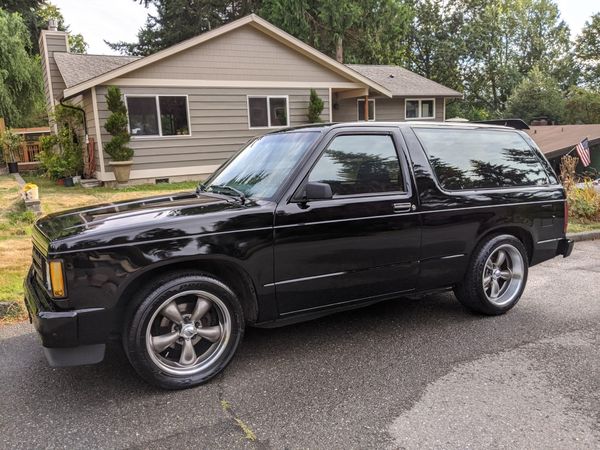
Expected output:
(252, 20)
(402, 82)
(76, 68)
(555, 140)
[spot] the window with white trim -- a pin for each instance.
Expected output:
(268, 111)
(420, 108)
(360, 109)
(158, 115)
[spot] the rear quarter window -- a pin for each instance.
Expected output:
(481, 159)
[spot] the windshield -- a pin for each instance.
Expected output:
(260, 168)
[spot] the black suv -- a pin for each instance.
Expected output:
(301, 222)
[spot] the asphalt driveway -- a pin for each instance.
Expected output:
(414, 373)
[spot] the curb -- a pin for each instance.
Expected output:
(584, 236)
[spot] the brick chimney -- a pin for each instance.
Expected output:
(52, 41)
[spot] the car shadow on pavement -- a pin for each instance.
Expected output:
(398, 322)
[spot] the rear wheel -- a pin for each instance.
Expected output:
(496, 277)
(183, 330)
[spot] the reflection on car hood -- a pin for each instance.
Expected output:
(152, 213)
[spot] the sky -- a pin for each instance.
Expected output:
(120, 20)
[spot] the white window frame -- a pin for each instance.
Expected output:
(420, 100)
(358, 100)
(160, 135)
(269, 97)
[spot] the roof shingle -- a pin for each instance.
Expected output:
(402, 82)
(76, 68)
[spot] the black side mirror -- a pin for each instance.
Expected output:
(317, 191)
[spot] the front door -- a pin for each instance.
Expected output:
(361, 244)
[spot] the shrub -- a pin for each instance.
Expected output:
(10, 145)
(61, 154)
(315, 107)
(584, 202)
(116, 125)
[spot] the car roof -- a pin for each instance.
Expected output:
(407, 124)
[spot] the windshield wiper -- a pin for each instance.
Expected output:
(223, 189)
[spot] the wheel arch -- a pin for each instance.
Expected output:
(230, 273)
(521, 233)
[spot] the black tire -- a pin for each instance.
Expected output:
(483, 277)
(145, 314)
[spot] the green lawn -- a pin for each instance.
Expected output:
(16, 223)
(575, 227)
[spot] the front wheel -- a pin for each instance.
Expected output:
(183, 330)
(496, 277)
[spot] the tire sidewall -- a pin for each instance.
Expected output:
(141, 312)
(481, 258)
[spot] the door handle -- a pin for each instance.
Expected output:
(403, 207)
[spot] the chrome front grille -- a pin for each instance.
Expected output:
(39, 266)
(39, 255)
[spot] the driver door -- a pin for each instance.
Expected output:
(361, 244)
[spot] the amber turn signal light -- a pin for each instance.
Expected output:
(57, 280)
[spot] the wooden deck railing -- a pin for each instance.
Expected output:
(29, 151)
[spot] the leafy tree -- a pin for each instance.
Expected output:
(177, 20)
(536, 96)
(36, 14)
(583, 106)
(435, 43)
(21, 89)
(116, 125)
(587, 51)
(315, 107)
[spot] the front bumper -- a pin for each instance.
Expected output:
(565, 247)
(68, 337)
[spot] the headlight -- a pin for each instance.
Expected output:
(56, 278)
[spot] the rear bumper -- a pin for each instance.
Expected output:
(565, 247)
(68, 337)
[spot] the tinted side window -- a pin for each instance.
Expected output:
(478, 159)
(359, 164)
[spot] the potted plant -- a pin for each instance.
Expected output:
(116, 124)
(11, 149)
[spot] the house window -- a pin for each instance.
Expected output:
(158, 115)
(420, 109)
(360, 107)
(268, 111)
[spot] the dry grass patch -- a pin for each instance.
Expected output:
(16, 224)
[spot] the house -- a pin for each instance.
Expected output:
(555, 141)
(193, 105)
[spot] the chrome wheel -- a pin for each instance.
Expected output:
(503, 275)
(188, 332)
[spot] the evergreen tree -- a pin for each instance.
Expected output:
(538, 95)
(315, 107)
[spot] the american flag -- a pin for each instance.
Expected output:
(583, 150)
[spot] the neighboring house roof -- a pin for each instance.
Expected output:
(76, 68)
(402, 82)
(556, 140)
(253, 20)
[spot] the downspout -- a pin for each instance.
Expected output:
(77, 108)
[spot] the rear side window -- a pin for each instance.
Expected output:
(359, 164)
(481, 159)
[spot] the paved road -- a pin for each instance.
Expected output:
(408, 373)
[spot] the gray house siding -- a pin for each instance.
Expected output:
(219, 126)
(53, 42)
(386, 109)
(242, 54)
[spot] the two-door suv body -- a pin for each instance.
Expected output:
(300, 223)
